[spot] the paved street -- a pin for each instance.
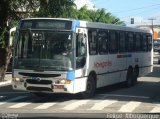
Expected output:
(142, 98)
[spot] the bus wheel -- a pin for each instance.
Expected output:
(40, 94)
(129, 80)
(90, 88)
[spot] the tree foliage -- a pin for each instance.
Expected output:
(13, 10)
(99, 15)
(67, 9)
(55, 8)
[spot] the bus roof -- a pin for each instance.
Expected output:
(113, 27)
(48, 18)
(99, 25)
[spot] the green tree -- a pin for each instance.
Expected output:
(67, 9)
(10, 12)
(99, 15)
(83, 14)
(55, 8)
(4, 11)
(13, 10)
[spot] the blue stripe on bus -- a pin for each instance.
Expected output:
(70, 75)
(75, 23)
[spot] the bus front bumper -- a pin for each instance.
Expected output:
(47, 88)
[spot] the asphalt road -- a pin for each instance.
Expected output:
(142, 98)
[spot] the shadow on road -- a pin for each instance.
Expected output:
(143, 92)
(155, 73)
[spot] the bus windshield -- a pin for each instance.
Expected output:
(44, 50)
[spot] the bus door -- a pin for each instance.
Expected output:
(81, 51)
(81, 60)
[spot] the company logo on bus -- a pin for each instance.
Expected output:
(102, 64)
(36, 78)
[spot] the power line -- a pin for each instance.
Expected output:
(144, 11)
(137, 8)
(153, 5)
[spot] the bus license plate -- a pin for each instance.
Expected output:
(18, 83)
(58, 86)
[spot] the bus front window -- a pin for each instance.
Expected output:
(45, 50)
(81, 50)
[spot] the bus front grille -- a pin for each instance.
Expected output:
(42, 82)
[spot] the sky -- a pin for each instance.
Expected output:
(140, 10)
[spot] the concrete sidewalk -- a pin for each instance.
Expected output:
(7, 81)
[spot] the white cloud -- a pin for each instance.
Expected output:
(81, 3)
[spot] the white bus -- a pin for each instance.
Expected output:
(54, 55)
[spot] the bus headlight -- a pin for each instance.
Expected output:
(62, 81)
(18, 79)
(15, 79)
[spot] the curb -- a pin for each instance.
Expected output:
(5, 83)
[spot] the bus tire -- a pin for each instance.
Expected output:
(90, 88)
(129, 78)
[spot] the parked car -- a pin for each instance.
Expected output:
(157, 47)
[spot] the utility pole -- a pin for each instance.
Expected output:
(152, 19)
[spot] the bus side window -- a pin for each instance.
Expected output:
(149, 37)
(122, 37)
(130, 46)
(92, 39)
(113, 42)
(137, 42)
(81, 50)
(80, 45)
(144, 43)
(103, 42)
